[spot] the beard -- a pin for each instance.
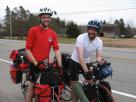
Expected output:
(92, 36)
(43, 23)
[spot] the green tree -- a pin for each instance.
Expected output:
(104, 22)
(7, 20)
(23, 13)
(122, 27)
(0, 28)
(19, 19)
(58, 25)
(32, 20)
(128, 31)
(116, 22)
(72, 30)
(22, 20)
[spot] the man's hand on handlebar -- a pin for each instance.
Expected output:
(40, 65)
(102, 61)
(88, 75)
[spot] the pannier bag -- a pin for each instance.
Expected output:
(43, 92)
(13, 55)
(104, 72)
(20, 63)
(103, 93)
(19, 57)
(66, 60)
(66, 67)
(23, 66)
(92, 94)
(16, 74)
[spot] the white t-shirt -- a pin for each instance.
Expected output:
(89, 47)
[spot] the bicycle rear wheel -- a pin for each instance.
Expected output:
(55, 97)
(66, 94)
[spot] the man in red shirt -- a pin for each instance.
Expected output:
(39, 41)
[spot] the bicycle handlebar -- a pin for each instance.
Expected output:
(45, 65)
(98, 70)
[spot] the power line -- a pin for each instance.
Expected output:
(95, 11)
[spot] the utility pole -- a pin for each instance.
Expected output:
(10, 24)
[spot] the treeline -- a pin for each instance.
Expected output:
(125, 30)
(19, 20)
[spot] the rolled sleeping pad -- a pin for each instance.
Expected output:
(78, 90)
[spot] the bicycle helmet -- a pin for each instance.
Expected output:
(46, 11)
(95, 23)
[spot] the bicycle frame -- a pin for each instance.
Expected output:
(99, 84)
(55, 95)
(24, 86)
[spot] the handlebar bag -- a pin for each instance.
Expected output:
(104, 72)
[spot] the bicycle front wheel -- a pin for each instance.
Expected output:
(105, 95)
(24, 84)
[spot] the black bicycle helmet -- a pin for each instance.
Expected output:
(95, 23)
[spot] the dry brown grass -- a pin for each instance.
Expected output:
(121, 43)
(108, 42)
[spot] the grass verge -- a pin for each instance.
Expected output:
(107, 42)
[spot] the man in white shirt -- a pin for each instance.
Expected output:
(86, 44)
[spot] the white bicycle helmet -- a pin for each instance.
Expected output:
(46, 11)
(95, 23)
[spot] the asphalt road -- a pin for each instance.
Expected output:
(123, 82)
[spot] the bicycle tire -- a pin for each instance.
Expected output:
(66, 94)
(110, 98)
(24, 86)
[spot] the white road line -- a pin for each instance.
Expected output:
(5, 61)
(114, 91)
(124, 94)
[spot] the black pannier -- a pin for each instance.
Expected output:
(91, 92)
(66, 67)
(52, 76)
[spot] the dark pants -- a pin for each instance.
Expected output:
(75, 70)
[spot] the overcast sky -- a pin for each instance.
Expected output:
(80, 11)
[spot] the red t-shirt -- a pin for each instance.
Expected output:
(39, 42)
